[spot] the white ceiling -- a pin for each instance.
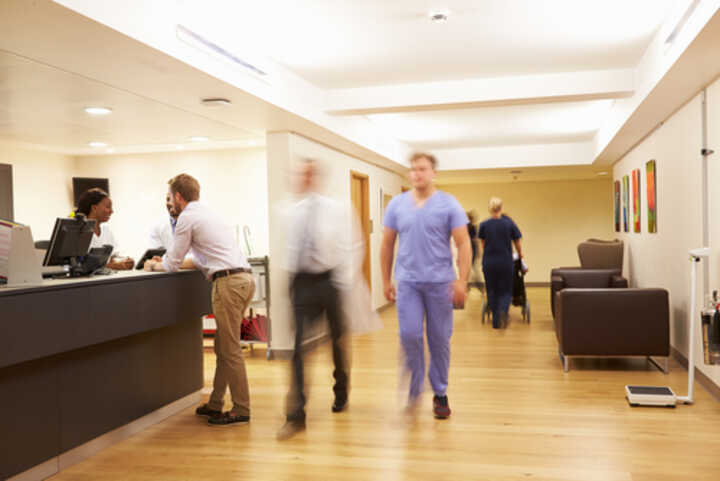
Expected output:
(498, 76)
(497, 73)
(43, 106)
(494, 126)
(340, 44)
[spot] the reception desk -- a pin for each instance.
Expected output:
(80, 358)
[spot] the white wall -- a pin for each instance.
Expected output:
(713, 138)
(283, 150)
(42, 187)
(661, 259)
(233, 182)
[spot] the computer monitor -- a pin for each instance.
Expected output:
(70, 240)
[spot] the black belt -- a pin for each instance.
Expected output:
(229, 272)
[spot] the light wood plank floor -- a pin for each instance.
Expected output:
(516, 415)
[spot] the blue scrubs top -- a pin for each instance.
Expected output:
(424, 253)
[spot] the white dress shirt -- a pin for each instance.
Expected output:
(106, 237)
(324, 236)
(161, 234)
(208, 238)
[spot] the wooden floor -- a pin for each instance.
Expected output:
(516, 415)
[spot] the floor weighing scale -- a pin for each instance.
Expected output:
(664, 396)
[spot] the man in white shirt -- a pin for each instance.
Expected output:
(163, 232)
(218, 256)
(321, 255)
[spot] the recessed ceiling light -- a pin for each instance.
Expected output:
(438, 16)
(198, 139)
(97, 144)
(98, 110)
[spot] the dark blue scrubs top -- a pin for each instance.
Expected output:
(498, 235)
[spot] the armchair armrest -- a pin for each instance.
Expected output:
(557, 283)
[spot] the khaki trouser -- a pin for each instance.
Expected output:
(230, 298)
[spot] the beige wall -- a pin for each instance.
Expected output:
(552, 216)
(661, 260)
(42, 187)
(233, 182)
(283, 150)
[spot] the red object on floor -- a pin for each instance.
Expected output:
(209, 332)
(254, 329)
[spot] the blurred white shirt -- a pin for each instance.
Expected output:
(208, 238)
(324, 236)
(161, 234)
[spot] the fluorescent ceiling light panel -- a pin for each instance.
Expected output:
(682, 21)
(195, 40)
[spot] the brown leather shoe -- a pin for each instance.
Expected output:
(290, 429)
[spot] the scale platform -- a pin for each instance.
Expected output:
(650, 396)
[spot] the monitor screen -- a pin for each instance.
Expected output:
(70, 239)
(83, 184)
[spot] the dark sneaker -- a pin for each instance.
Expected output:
(228, 419)
(441, 408)
(339, 405)
(290, 429)
(205, 411)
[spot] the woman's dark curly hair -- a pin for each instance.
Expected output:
(88, 199)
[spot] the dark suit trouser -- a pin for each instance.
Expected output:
(312, 295)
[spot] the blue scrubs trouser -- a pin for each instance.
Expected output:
(499, 285)
(415, 302)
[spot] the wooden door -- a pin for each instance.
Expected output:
(359, 195)
(6, 192)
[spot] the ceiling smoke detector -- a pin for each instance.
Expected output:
(438, 16)
(216, 102)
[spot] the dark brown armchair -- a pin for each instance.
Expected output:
(578, 278)
(600, 254)
(612, 322)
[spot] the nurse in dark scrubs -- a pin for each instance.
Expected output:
(497, 235)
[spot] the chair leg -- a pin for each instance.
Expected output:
(665, 367)
(565, 361)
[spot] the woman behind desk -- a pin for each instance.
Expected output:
(96, 204)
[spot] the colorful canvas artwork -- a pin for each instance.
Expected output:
(625, 201)
(650, 170)
(617, 206)
(636, 199)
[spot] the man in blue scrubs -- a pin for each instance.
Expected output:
(425, 219)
